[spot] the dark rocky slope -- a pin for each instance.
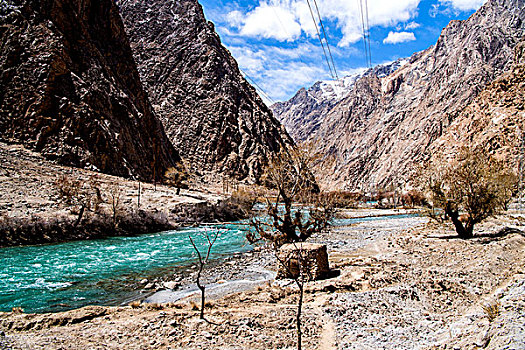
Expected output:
(384, 127)
(211, 114)
(69, 88)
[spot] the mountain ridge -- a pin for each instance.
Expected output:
(193, 81)
(384, 127)
(70, 89)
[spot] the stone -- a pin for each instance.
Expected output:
(170, 285)
(314, 259)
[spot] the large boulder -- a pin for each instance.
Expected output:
(311, 258)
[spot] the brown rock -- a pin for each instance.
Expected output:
(210, 112)
(69, 88)
(313, 256)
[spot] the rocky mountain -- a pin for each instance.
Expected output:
(211, 114)
(494, 120)
(385, 126)
(303, 114)
(70, 89)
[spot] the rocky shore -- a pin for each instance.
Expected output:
(401, 283)
(42, 202)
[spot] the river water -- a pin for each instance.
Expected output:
(56, 277)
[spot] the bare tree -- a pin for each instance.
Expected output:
(475, 185)
(176, 176)
(83, 196)
(296, 267)
(203, 261)
(288, 174)
(114, 200)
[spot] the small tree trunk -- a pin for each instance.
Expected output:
(469, 229)
(298, 317)
(202, 288)
(80, 214)
(460, 229)
(138, 198)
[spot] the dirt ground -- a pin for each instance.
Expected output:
(405, 284)
(30, 195)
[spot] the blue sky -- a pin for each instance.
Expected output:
(276, 45)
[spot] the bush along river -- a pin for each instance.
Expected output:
(58, 277)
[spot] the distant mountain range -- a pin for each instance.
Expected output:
(136, 96)
(303, 114)
(382, 125)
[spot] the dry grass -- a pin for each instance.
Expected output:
(194, 306)
(17, 310)
(155, 306)
(492, 310)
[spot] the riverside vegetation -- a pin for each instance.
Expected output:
(52, 203)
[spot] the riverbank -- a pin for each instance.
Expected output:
(402, 283)
(43, 202)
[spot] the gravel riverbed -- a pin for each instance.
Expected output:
(402, 283)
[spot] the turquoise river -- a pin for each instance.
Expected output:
(56, 277)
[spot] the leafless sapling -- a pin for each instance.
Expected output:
(203, 259)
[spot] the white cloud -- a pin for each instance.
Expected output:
(235, 19)
(272, 69)
(285, 20)
(399, 37)
(463, 5)
(267, 21)
(412, 25)
(434, 10)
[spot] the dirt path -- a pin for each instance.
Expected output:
(328, 339)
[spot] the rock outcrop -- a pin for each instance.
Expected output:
(70, 89)
(384, 127)
(494, 120)
(211, 114)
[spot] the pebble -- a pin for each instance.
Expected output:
(206, 335)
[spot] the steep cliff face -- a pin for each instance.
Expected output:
(211, 114)
(386, 126)
(69, 88)
(494, 120)
(304, 113)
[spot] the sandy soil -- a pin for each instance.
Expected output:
(27, 184)
(29, 194)
(402, 284)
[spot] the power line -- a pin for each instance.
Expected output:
(368, 33)
(326, 39)
(264, 93)
(320, 39)
(363, 30)
(363, 9)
